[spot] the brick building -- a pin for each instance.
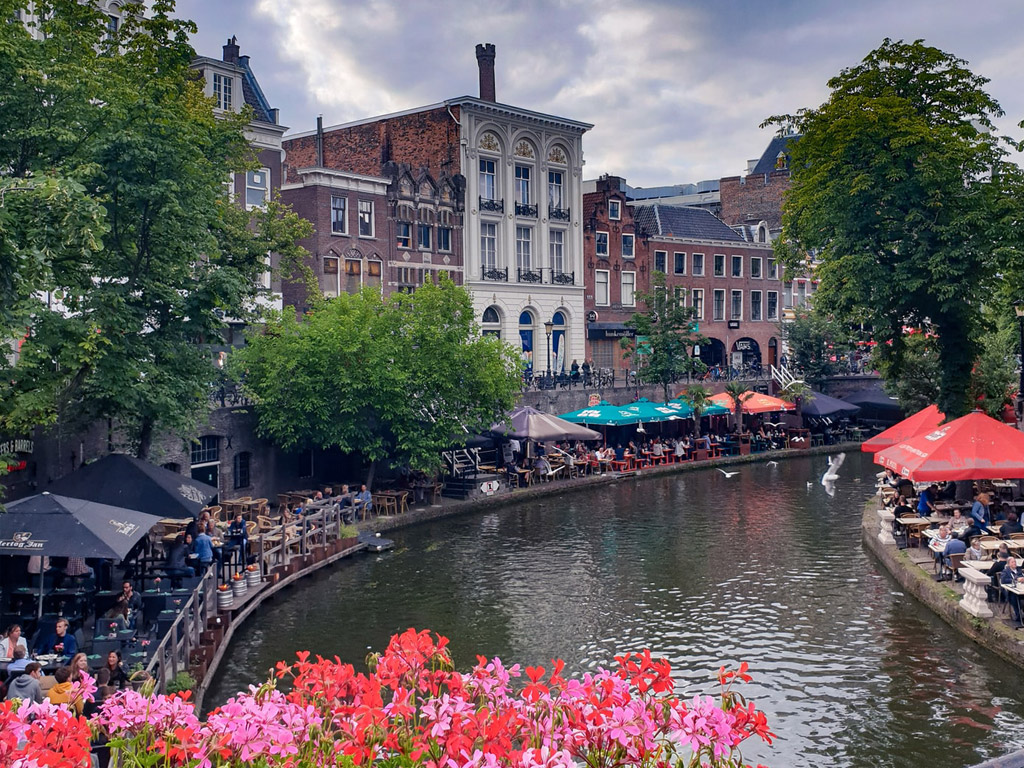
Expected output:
(733, 285)
(487, 192)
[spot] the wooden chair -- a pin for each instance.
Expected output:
(261, 506)
(435, 492)
(264, 523)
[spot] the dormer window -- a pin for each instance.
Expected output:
(222, 91)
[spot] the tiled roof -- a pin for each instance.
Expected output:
(768, 160)
(253, 94)
(681, 221)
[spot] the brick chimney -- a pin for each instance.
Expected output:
(231, 51)
(485, 61)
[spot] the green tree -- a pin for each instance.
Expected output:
(815, 344)
(916, 385)
(737, 390)
(798, 393)
(698, 397)
(668, 329)
(137, 248)
(906, 196)
(392, 379)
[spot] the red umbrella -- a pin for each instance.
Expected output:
(924, 420)
(973, 447)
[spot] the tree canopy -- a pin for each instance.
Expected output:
(905, 195)
(120, 254)
(668, 330)
(815, 343)
(400, 379)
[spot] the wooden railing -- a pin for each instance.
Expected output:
(271, 548)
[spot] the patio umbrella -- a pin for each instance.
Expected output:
(604, 414)
(755, 403)
(124, 481)
(531, 424)
(924, 420)
(713, 409)
(821, 406)
(649, 412)
(973, 447)
(58, 526)
(876, 404)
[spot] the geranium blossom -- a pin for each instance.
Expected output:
(412, 709)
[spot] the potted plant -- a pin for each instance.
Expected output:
(139, 677)
(348, 536)
(183, 681)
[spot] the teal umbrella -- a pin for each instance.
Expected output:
(603, 414)
(713, 409)
(657, 412)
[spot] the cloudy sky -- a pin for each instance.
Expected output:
(675, 89)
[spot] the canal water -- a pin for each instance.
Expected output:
(703, 569)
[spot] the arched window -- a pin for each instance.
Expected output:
(526, 323)
(558, 346)
(241, 469)
(491, 322)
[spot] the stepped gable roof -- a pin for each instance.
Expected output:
(683, 222)
(770, 158)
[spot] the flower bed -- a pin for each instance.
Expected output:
(411, 709)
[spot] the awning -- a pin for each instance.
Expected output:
(925, 420)
(609, 330)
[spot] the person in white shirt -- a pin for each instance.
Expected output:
(12, 640)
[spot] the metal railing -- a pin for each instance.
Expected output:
(493, 273)
(558, 214)
(272, 548)
(527, 210)
(545, 275)
(494, 206)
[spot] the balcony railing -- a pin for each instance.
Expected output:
(558, 214)
(493, 273)
(526, 210)
(494, 206)
(563, 278)
(530, 276)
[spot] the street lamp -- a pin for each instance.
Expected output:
(1018, 308)
(547, 329)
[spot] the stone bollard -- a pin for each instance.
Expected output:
(885, 521)
(975, 600)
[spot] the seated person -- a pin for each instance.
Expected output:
(113, 673)
(957, 521)
(703, 443)
(542, 467)
(939, 543)
(19, 660)
(657, 449)
(975, 552)
(994, 572)
(202, 549)
(1011, 576)
(902, 508)
(12, 640)
(26, 686)
(1012, 525)
(128, 604)
(620, 453)
(175, 564)
(238, 537)
(60, 641)
(363, 500)
(955, 546)
(61, 692)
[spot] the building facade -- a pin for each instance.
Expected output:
(488, 193)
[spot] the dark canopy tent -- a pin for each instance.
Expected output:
(124, 481)
(876, 405)
(819, 406)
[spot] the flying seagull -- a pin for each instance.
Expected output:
(771, 463)
(727, 474)
(832, 473)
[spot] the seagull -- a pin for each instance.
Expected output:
(809, 485)
(727, 474)
(832, 473)
(771, 463)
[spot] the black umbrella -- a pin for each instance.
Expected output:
(876, 404)
(58, 526)
(821, 406)
(124, 481)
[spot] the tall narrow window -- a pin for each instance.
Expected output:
(736, 306)
(680, 263)
(257, 188)
(773, 305)
(628, 287)
(222, 91)
(602, 244)
(488, 187)
(424, 239)
(403, 234)
(339, 224)
(444, 239)
(489, 245)
(755, 267)
(698, 264)
(737, 266)
(755, 305)
(719, 307)
(628, 251)
(241, 469)
(773, 270)
(523, 185)
(659, 261)
(366, 218)
(719, 265)
(524, 248)
(614, 210)
(697, 302)
(555, 190)
(556, 248)
(601, 287)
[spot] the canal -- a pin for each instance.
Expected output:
(703, 569)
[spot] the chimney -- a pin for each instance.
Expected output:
(319, 141)
(485, 61)
(231, 51)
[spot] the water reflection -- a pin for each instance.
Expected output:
(703, 569)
